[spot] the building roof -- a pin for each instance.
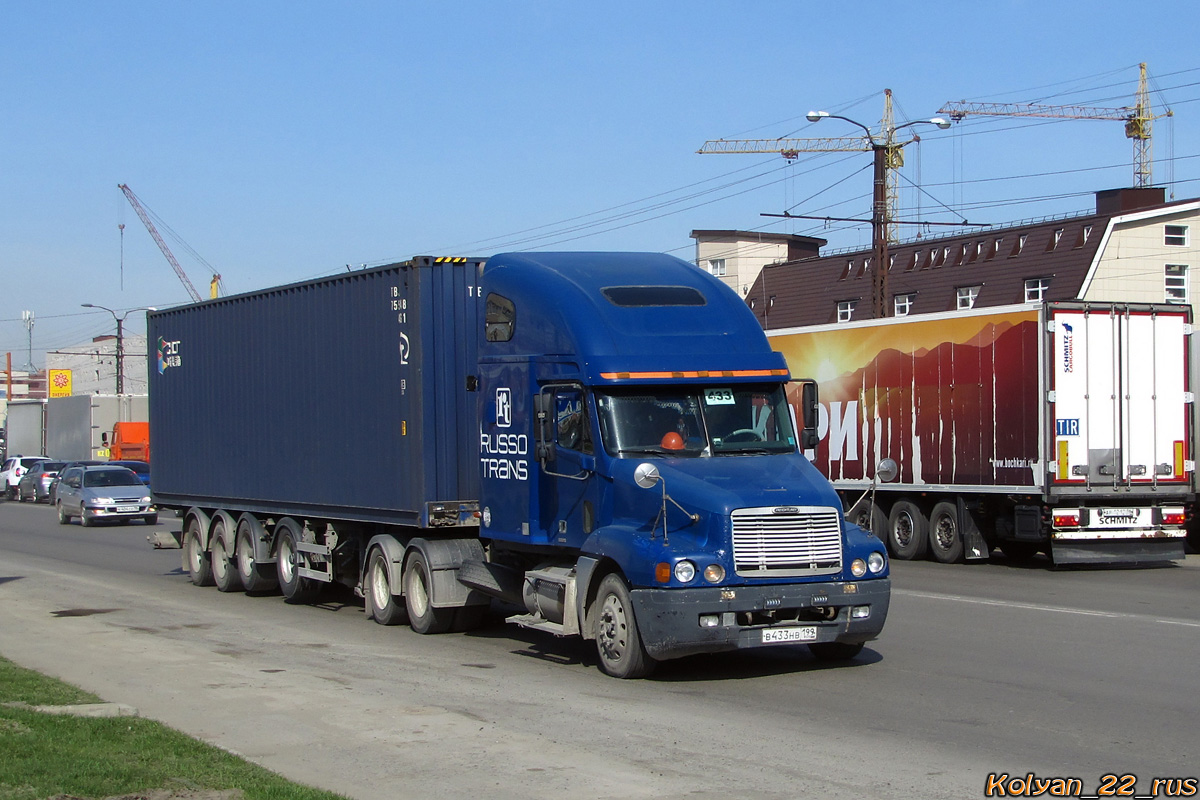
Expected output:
(998, 260)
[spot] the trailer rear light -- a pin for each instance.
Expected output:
(1067, 518)
(1173, 516)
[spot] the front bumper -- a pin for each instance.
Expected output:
(119, 511)
(669, 619)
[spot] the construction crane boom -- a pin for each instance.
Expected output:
(1138, 121)
(166, 251)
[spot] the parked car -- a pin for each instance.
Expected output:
(54, 483)
(12, 471)
(35, 483)
(142, 469)
(101, 493)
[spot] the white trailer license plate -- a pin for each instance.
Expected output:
(126, 509)
(805, 634)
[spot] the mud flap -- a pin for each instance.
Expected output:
(974, 546)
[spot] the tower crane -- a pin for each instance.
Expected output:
(1138, 121)
(166, 251)
(888, 157)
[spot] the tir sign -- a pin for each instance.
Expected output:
(1066, 427)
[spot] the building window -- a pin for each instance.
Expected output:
(1177, 283)
(903, 304)
(1020, 245)
(1055, 239)
(1035, 289)
(1176, 235)
(845, 310)
(716, 266)
(966, 296)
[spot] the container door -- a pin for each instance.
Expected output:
(1120, 403)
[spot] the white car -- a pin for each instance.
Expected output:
(13, 469)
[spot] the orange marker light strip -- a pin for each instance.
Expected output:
(729, 373)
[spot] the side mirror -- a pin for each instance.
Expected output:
(543, 426)
(887, 470)
(104, 439)
(810, 408)
(646, 475)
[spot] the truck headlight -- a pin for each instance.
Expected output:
(876, 562)
(685, 571)
(714, 573)
(858, 567)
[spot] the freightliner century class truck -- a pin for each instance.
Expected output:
(1059, 427)
(599, 439)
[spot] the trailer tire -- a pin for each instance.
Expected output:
(834, 651)
(288, 559)
(907, 531)
(418, 582)
(618, 641)
(255, 579)
(198, 566)
(224, 575)
(945, 534)
(382, 605)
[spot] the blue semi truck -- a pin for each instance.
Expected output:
(600, 441)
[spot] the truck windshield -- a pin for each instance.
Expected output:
(731, 419)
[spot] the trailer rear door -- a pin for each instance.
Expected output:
(1118, 383)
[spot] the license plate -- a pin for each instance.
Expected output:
(805, 634)
(126, 509)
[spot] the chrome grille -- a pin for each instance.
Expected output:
(786, 541)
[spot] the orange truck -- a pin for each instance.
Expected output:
(130, 441)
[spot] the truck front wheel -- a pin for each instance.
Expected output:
(618, 642)
(907, 531)
(418, 598)
(382, 606)
(198, 566)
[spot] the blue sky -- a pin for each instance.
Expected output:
(285, 140)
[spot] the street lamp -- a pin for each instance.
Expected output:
(120, 318)
(884, 156)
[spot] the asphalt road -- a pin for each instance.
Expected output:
(982, 669)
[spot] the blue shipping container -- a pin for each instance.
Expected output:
(375, 421)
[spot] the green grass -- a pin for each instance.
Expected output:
(42, 755)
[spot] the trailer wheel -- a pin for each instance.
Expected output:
(835, 651)
(254, 578)
(422, 616)
(618, 642)
(288, 559)
(198, 566)
(382, 606)
(224, 575)
(907, 531)
(945, 535)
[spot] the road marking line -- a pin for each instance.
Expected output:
(1033, 607)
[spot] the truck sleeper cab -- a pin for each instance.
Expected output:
(652, 368)
(602, 439)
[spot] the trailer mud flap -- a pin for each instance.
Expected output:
(974, 546)
(1127, 551)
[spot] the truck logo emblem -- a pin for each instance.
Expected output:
(503, 408)
(787, 510)
(1068, 348)
(404, 348)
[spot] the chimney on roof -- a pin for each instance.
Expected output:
(1118, 201)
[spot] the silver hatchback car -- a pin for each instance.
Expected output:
(100, 493)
